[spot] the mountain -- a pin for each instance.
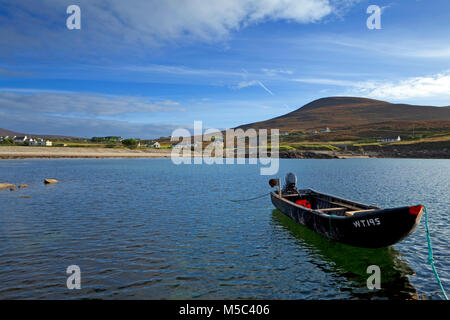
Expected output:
(348, 112)
(4, 132)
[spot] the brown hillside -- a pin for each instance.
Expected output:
(4, 132)
(340, 112)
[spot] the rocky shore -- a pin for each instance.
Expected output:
(297, 154)
(430, 150)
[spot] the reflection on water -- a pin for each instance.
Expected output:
(352, 262)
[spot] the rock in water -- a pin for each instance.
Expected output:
(23, 186)
(50, 181)
(6, 185)
(12, 189)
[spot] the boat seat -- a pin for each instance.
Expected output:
(331, 209)
(351, 213)
(348, 206)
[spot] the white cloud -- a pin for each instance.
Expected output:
(419, 87)
(211, 19)
(433, 86)
(150, 22)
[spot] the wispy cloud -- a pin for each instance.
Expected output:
(82, 104)
(84, 127)
(15, 73)
(177, 70)
(273, 72)
(427, 49)
(245, 84)
(326, 81)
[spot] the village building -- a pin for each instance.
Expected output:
(20, 139)
(154, 144)
(183, 145)
(398, 139)
(42, 143)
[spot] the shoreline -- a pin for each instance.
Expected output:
(21, 152)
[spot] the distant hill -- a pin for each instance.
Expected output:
(5, 132)
(347, 112)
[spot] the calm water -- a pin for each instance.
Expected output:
(147, 229)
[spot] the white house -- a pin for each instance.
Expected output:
(20, 139)
(42, 143)
(154, 144)
(183, 145)
(398, 139)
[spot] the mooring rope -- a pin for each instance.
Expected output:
(258, 197)
(330, 233)
(430, 255)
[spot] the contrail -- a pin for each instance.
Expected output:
(264, 87)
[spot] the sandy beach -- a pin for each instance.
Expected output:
(20, 152)
(23, 152)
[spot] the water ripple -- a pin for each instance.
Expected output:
(147, 229)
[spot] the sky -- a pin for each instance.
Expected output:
(144, 68)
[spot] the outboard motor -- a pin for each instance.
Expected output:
(290, 186)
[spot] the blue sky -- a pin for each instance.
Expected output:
(144, 68)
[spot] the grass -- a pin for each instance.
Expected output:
(306, 146)
(368, 144)
(286, 148)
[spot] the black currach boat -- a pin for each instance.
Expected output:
(342, 220)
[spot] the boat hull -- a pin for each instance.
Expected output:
(372, 229)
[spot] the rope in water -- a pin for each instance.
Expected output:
(430, 255)
(330, 234)
(258, 197)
